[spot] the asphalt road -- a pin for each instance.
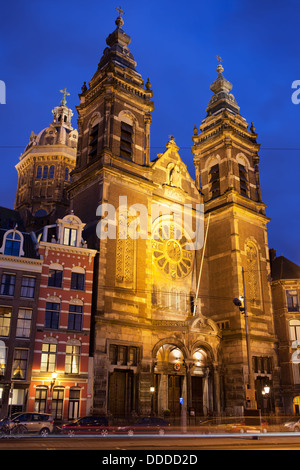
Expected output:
(158, 445)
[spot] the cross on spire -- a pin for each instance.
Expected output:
(120, 11)
(65, 93)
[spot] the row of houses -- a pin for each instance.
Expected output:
(45, 319)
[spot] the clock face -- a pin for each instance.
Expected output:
(170, 250)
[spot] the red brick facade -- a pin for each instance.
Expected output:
(62, 338)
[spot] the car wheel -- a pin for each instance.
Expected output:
(44, 432)
(71, 433)
(20, 429)
(264, 430)
(104, 432)
(161, 432)
(242, 431)
(296, 429)
(130, 432)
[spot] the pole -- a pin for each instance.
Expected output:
(201, 266)
(249, 358)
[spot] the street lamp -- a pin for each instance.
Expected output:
(54, 376)
(152, 391)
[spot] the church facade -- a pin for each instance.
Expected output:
(154, 338)
(172, 251)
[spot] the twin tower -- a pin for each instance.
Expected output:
(164, 343)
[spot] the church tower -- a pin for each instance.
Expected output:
(149, 350)
(44, 170)
(114, 123)
(227, 173)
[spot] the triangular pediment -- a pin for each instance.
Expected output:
(170, 172)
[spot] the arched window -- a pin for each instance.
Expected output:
(51, 172)
(45, 172)
(39, 172)
(66, 174)
(13, 242)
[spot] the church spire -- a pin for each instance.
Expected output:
(222, 97)
(118, 51)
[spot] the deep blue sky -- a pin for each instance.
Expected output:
(46, 46)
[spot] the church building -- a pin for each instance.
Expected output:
(163, 342)
(173, 251)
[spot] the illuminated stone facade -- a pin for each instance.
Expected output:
(226, 162)
(155, 348)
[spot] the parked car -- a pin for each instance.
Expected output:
(86, 425)
(22, 423)
(242, 427)
(292, 426)
(148, 424)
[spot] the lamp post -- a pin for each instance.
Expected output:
(152, 391)
(250, 392)
(54, 376)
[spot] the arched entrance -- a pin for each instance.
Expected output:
(170, 380)
(199, 383)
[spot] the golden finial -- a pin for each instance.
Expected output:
(220, 69)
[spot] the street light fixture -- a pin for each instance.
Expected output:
(152, 391)
(54, 376)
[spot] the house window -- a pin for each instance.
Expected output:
(70, 236)
(8, 282)
(294, 326)
(48, 357)
(24, 323)
(126, 140)
(75, 317)
(52, 315)
(12, 244)
(72, 359)
(77, 280)
(214, 181)
(28, 287)
(55, 277)
(3, 356)
(20, 364)
(5, 319)
(292, 300)
(243, 180)
(40, 401)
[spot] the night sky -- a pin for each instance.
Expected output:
(46, 46)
